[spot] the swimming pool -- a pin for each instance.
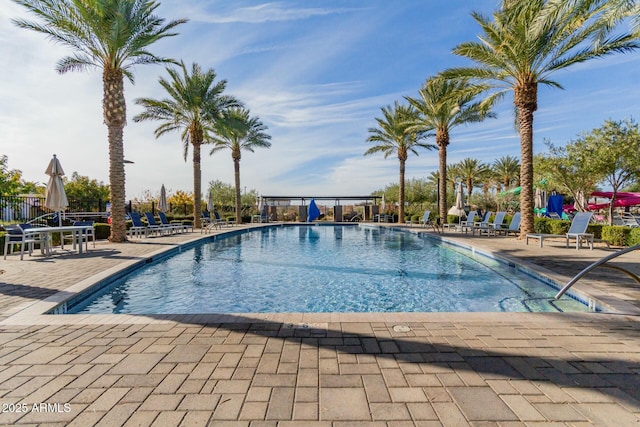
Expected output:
(341, 268)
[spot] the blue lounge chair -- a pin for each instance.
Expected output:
(178, 227)
(16, 236)
(153, 225)
(577, 231)
(138, 228)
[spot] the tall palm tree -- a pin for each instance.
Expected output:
(239, 132)
(472, 171)
(524, 44)
(443, 105)
(194, 106)
(394, 135)
(507, 168)
(112, 35)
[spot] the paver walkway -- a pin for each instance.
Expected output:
(418, 369)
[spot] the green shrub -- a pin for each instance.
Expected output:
(415, 218)
(559, 226)
(616, 235)
(596, 230)
(453, 219)
(102, 230)
(540, 225)
(634, 237)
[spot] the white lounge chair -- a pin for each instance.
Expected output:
(467, 225)
(489, 227)
(514, 226)
(577, 231)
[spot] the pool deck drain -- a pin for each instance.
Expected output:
(325, 369)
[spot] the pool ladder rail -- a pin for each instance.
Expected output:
(602, 262)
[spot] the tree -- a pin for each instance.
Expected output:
(112, 35)
(394, 134)
(443, 105)
(194, 106)
(10, 179)
(612, 153)
(239, 132)
(507, 168)
(526, 43)
(566, 170)
(83, 188)
(472, 171)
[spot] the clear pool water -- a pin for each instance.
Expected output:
(324, 269)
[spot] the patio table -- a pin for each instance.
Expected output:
(79, 233)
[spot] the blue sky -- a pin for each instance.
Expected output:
(316, 73)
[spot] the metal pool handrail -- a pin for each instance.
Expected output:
(599, 263)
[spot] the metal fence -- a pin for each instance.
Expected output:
(27, 208)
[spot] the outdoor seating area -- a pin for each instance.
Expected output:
(27, 237)
(577, 232)
(152, 227)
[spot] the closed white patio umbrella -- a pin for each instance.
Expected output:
(162, 203)
(458, 209)
(56, 199)
(210, 205)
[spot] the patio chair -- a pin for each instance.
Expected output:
(467, 224)
(222, 222)
(90, 232)
(159, 228)
(16, 236)
(178, 227)
(514, 226)
(206, 218)
(490, 228)
(577, 231)
(425, 221)
(138, 228)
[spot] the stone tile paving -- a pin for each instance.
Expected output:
(420, 369)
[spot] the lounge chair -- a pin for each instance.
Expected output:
(222, 222)
(514, 226)
(138, 228)
(206, 218)
(177, 226)
(160, 228)
(427, 222)
(16, 236)
(489, 227)
(467, 225)
(484, 221)
(577, 231)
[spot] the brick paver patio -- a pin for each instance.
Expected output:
(395, 369)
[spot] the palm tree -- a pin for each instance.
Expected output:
(507, 168)
(194, 106)
(472, 171)
(527, 42)
(443, 105)
(394, 135)
(239, 132)
(112, 35)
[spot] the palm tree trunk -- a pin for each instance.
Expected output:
(197, 185)
(525, 98)
(114, 110)
(442, 139)
(401, 193)
(236, 173)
